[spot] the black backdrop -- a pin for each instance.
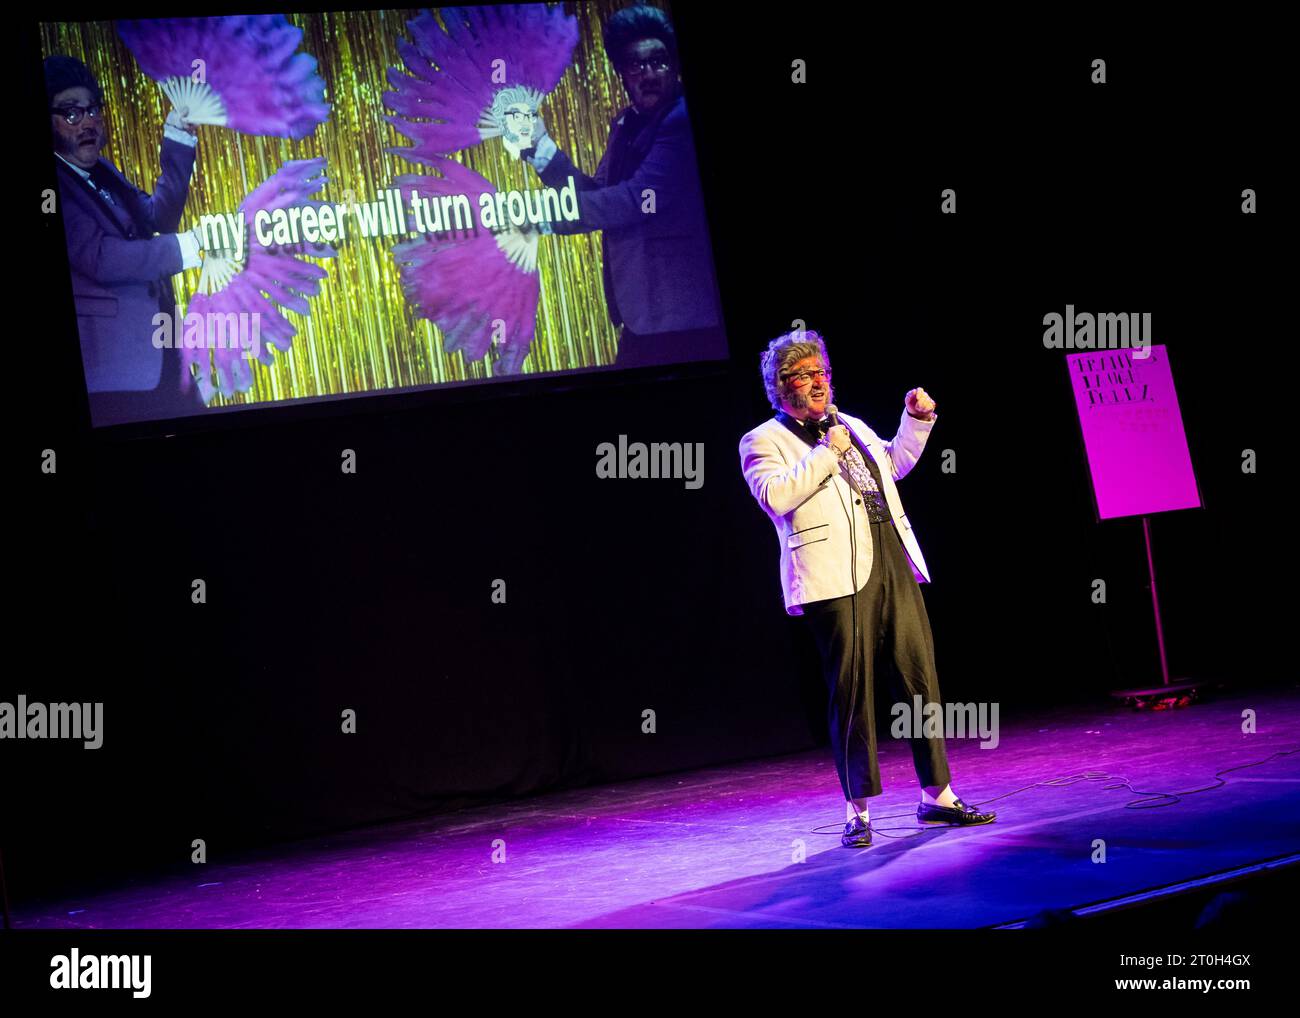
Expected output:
(372, 592)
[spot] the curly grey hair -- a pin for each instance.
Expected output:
(784, 352)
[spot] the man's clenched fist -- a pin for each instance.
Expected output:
(920, 405)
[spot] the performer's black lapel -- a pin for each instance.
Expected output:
(795, 427)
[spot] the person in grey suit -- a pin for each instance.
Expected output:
(123, 249)
(658, 265)
(850, 565)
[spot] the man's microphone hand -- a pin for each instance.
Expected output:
(920, 405)
(838, 438)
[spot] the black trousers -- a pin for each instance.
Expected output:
(891, 619)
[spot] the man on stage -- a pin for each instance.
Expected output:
(850, 565)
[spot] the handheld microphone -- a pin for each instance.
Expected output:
(833, 413)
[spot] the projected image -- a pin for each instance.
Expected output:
(276, 208)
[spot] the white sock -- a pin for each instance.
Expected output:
(946, 797)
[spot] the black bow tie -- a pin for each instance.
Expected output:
(817, 427)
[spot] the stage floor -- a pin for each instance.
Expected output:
(756, 844)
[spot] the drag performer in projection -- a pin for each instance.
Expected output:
(657, 262)
(244, 74)
(124, 245)
(476, 285)
(850, 565)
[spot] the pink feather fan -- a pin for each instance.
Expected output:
(241, 72)
(267, 277)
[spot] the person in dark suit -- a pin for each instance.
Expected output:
(122, 250)
(658, 265)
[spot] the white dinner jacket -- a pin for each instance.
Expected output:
(805, 493)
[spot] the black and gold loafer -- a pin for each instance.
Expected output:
(857, 834)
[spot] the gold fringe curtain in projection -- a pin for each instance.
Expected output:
(360, 335)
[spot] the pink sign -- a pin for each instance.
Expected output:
(1133, 432)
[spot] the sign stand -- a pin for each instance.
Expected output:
(1171, 694)
(1139, 463)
